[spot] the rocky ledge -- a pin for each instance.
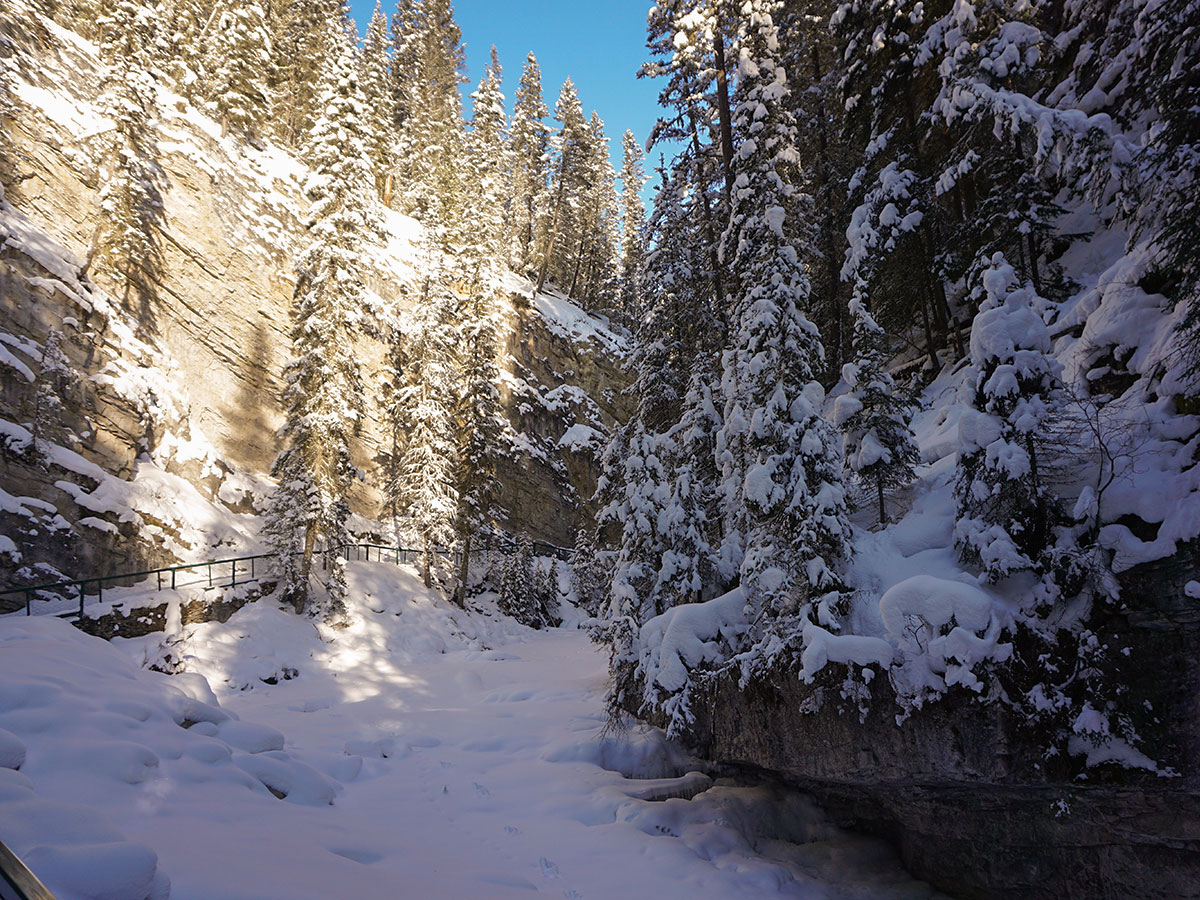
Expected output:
(962, 789)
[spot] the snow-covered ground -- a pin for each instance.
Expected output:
(422, 752)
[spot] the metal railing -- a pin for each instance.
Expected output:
(168, 576)
(16, 881)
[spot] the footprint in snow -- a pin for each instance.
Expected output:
(549, 869)
(572, 895)
(511, 829)
(480, 789)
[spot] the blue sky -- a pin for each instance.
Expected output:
(598, 43)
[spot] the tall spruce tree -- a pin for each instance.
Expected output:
(376, 78)
(479, 420)
(239, 54)
(430, 151)
(571, 146)
(530, 149)
(783, 495)
(633, 223)
(324, 395)
(421, 489)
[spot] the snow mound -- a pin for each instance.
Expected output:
(95, 739)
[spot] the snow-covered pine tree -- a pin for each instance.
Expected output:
(530, 154)
(811, 56)
(1005, 509)
(595, 271)
(182, 33)
(420, 486)
(324, 397)
(306, 36)
(127, 243)
(238, 58)
(430, 152)
(873, 415)
(783, 495)
(633, 224)
(571, 146)
(690, 568)
(635, 510)
(378, 94)
(545, 591)
(589, 575)
(517, 598)
(480, 424)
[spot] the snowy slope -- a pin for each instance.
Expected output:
(424, 752)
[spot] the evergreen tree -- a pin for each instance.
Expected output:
(783, 495)
(689, 566)
(571, 148)
(595, 271)
(430, 151)
(878, 444)
(376, 78)
(633, 223)
(1005, 509)
(478, 416)
(324, 397)
(421, 489)
(517, 596)
(306, 38)
(530, 168)
(589, 576)
(239, 57)
(183, 33)
(635, 509)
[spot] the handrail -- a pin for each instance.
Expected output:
(16, 881)
(401, 554)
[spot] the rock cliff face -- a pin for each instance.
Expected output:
(962, 788)
(183, 387)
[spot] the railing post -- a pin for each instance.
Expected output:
(172, 579)
(29, 603)
(99, 590)
(252, 567)
(209, 568)
(159, 574)
(233, 569)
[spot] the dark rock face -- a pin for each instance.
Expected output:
(962, 789)
(147, 620)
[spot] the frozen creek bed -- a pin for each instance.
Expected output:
(422, 752)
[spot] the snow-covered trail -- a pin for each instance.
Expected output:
(465, 757)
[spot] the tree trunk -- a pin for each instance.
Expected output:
(575, 274)
(882, 509)
(464, 570)
(714, 257)
(387, 189)
(558, 201)
(723, 111)
(426, 575)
